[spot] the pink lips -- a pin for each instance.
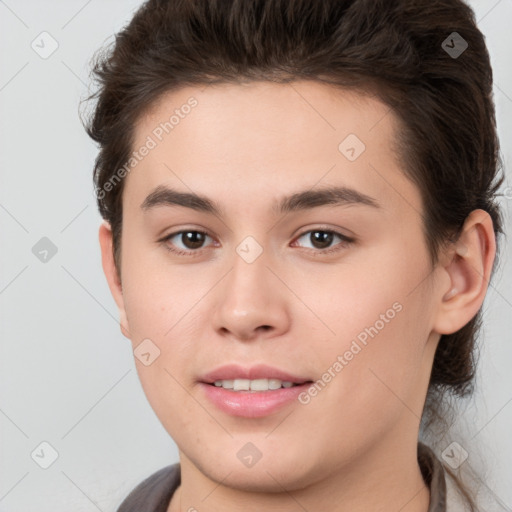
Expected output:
(251, 404)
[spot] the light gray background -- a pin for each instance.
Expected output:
(67, 375)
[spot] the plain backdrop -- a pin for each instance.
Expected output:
(67, 375)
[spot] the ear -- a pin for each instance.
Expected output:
(111, 273)
(468, 265)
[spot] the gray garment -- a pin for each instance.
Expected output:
(155, 492)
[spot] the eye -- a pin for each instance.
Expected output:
(321, 239)
(191, 240)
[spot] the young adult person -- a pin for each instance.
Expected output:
(300, 228)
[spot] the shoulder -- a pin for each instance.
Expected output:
(154, 493)
(455, 502)
(444, 495)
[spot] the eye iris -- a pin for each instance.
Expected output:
(192, 239)
(322, 237)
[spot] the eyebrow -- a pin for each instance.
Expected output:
(298, 201)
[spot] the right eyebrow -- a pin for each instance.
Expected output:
(165, 196)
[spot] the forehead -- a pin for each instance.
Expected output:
(280, 115)
(263, 137)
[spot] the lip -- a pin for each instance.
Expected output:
(260, 371)
(251, 404)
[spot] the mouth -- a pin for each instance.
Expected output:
(252, 392)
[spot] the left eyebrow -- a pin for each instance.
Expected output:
(336, 196)
(304, 200)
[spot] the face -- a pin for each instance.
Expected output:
(307, 256)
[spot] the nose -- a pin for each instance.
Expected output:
(251, 302)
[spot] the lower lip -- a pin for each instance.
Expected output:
(252, 404)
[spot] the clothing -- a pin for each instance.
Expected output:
(155, 492)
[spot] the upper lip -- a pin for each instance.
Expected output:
(260, 371)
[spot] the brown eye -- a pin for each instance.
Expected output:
(187, 241)
(322, 240)
(192, 239)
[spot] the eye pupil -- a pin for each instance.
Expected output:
(325, 238)
(192, 239)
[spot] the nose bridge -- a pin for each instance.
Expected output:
(248, 280)
(250, 298)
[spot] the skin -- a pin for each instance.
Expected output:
(353, 446)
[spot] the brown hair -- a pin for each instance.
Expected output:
(392, 48)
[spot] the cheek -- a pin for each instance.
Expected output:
(366, 386)
(161, 304)
(157, 295)
(363, 291)
(379, 312)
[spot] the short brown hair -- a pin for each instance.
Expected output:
(392, 48)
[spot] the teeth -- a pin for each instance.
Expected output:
(253, 385)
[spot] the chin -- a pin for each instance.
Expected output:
(269, 474)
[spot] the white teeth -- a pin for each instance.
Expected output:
(241, 385)
(274, 383)
(253, 385)
(258, 385)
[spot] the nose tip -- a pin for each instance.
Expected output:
(249, 304)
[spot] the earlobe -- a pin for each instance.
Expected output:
(112, 275)
(468, 266)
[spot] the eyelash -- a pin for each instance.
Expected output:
(345, 241)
